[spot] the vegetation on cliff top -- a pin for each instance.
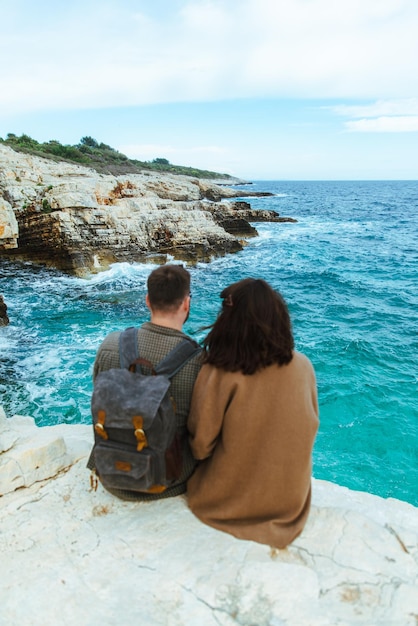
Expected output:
(100, 157)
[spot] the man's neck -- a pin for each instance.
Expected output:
(168, 321)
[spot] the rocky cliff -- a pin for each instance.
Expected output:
(4, 319)
(73, 218)
(71, 555)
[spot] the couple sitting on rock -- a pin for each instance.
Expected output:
(246, 407)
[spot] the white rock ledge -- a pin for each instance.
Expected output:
(73, 556)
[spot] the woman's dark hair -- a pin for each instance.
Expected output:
(253, 329)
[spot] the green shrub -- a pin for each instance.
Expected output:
(46, 207)
(101, 157)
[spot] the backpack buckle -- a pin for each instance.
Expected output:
(99, 428)
(140, 436)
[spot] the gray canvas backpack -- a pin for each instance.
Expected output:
(135, 443)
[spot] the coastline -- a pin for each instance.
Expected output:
(80, 221)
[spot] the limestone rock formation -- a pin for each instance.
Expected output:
(4, 319)
(71, 555)
(8, 226)
(73, 218)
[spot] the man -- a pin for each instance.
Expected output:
(168, 300)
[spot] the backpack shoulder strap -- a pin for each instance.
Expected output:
(178, 357)
(169, 366)
(128, 347)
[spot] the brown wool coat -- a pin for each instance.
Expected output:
(255, 434)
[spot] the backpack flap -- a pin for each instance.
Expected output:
(120, 398)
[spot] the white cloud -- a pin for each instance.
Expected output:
(90, 54)
(395, 124)
(380, 108)
(383, 116)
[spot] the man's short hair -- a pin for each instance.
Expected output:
(168, 285)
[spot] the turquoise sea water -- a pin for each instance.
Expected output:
(348, 270)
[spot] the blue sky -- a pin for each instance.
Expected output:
(261, 89)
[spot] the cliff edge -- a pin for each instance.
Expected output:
(78, 220)
(72, 555)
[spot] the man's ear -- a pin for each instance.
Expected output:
(147, 302)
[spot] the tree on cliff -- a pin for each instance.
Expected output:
(89, 141)
(160, 161)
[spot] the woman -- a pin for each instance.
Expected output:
(253, 421)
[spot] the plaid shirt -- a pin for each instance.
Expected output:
(154, 343)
